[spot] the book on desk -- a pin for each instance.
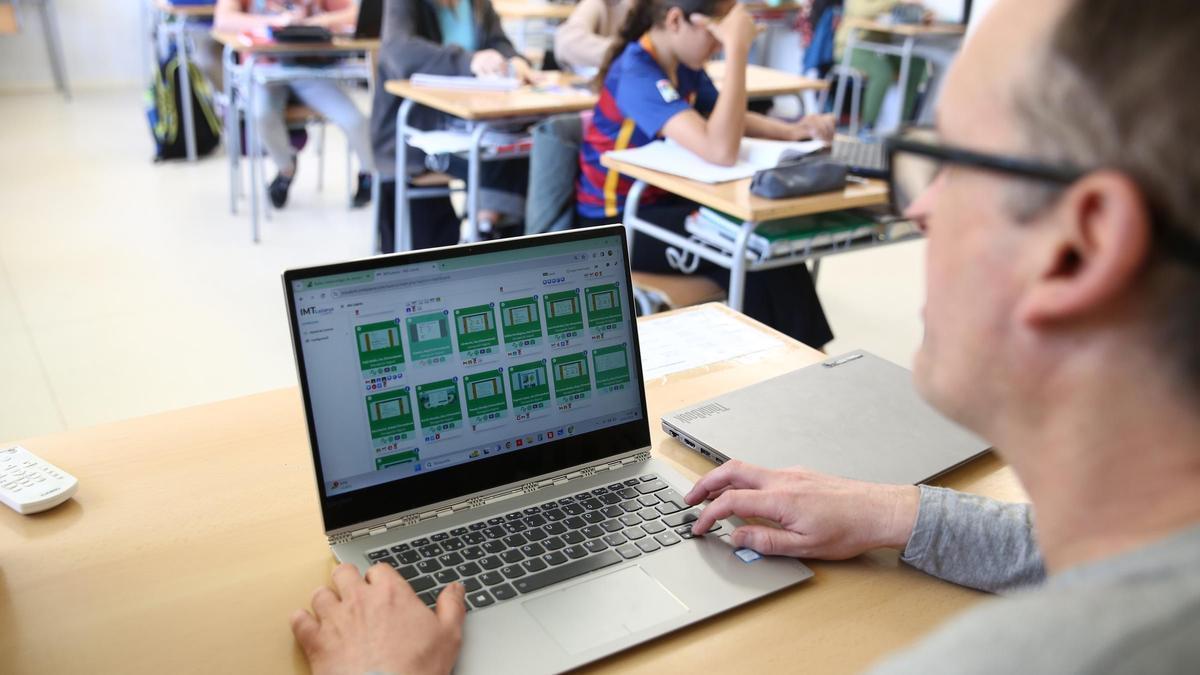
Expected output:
(784, 237)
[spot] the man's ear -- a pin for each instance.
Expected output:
(1099, 241)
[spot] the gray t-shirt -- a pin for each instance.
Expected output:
(1138, 612)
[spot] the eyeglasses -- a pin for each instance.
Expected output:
(916, 156)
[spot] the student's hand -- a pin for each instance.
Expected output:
(735, 31)
(377, 624)
(489, 63)
(521, 70)
(821, 127)
(820, 516)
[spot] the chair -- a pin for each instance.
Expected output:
(553, 169)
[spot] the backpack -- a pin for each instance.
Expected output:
(163, 112)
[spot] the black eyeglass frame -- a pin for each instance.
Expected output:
(1177, 244)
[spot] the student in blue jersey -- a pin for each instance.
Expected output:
(653, 85)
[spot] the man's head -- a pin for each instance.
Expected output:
(1031, 282)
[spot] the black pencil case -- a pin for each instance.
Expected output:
(806, 176)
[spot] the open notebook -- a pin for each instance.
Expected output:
(754, 155)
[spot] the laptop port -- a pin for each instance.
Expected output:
(688, 442)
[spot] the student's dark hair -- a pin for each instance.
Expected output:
(1109, 88)
(644, 15)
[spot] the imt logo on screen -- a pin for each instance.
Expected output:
(308, 311)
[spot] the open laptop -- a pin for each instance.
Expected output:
(477, 414)
(854, 415)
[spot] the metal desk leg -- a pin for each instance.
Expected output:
(401, 231)
(185, 87)
(905, 65)
(737, 272)
(631, 216)
(840, 96)
(233, 140)
(473, 167)
(252, 149)
(54, 46)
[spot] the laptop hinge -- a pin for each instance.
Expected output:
(476, 502)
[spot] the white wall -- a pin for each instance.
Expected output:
(101, 44)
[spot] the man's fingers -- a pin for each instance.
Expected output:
(770, 540)
(733, 474)
(305, 627)
(323, 599)
(451, 606)
(745, 503)
(381, 574)
(345, 579)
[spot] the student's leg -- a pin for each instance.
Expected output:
(880, 74)
(503, 186)
(335, 105)
(208, 55)
(270, 101)
(434, 222)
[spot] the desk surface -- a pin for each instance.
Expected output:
(528, 101)
(195, 532)
(338, 45)
(526, 9)
(734, 197)
(191, 11)
(906, 29)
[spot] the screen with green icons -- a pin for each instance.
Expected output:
(485, 394)
(570, 374)
(438, 404)
(379, 345)
(563, 312)
(529, 384)
(476, 328)
(611, 366)
(603, 305)
(390, 414)
(520, 319)
(429, 336)
(397, 458)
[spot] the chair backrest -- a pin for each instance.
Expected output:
(553, 168)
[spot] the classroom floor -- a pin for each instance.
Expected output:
(127, 288)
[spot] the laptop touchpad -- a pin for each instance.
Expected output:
(608, 608)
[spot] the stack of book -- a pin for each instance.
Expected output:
(784, 237)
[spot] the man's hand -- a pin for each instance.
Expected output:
(820, 127)
(735, 31)
(820, 516)
(489, 63)
(378, 624)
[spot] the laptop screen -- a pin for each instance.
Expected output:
(435, 374)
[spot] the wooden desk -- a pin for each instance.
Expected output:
(906, 29)
(515, 10)
(762, 82)
(734, 199)
(492, 105)
(240, 79)
(195, 532)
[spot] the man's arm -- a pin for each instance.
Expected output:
(965, 539)
(974, 541)
(578, 41)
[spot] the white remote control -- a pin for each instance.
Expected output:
(29, 484)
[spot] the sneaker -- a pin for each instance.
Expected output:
(362, 197)
(278, 190)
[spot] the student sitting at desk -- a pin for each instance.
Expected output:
(443, 37)
(583, 40)
(1060, 195)
(881, 69)
(654, 85)
(324, 96)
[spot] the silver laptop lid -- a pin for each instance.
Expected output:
(854, 415)
(437, 374)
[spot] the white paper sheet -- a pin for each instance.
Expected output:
(753, 155)
(465, 83)
(695, 339)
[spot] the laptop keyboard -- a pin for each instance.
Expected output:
(499, 558)
(859, 154)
